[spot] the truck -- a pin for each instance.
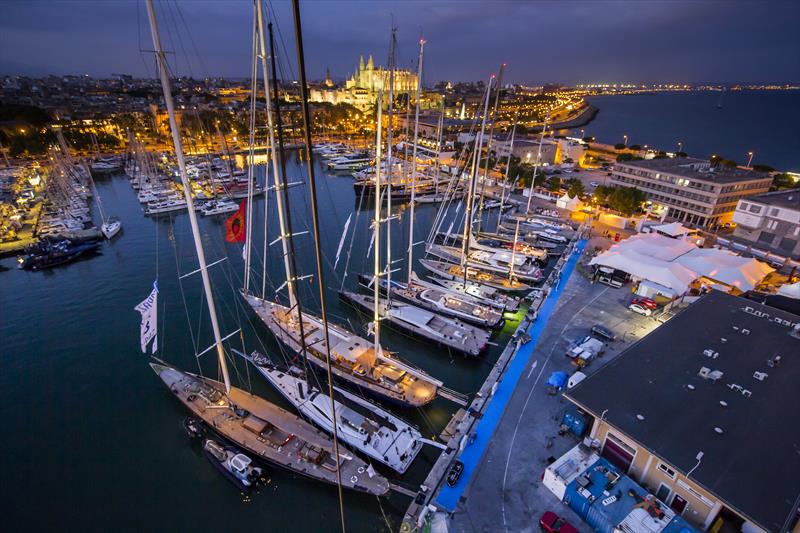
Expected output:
(583, 350)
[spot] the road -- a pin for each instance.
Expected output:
(506, 493)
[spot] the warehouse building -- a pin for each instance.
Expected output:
(702, 412)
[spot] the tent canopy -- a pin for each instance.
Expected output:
(673, 229)
(676, 263)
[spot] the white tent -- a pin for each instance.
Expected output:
(790, 291)
(673, 229)
(676, 263)
(568, 202)
(726, 267)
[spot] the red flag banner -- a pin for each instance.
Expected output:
(235, 226)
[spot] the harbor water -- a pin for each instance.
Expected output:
(763, 122)
(93, 439)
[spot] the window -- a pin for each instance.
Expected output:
(755, 209)
(663, 492)
(772, 224)
(667, 470)
(774, 212)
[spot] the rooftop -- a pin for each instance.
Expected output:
(789, 199)
(698, 169)
(745, 426)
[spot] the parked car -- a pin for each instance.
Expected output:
(646, 302)
(550, 522)
(598, 330)
(642, 310)
(594, 184)
(455, 473)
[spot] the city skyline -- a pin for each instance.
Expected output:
(581, 42)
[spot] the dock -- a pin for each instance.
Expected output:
(464, 440)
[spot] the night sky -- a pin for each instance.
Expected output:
(566, 42)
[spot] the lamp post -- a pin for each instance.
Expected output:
(680, 146)
(625, 138)
(749, 159)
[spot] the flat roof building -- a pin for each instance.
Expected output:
(703, 412)
(770, 221)
(691, 190)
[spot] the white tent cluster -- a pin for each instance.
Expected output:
(675, 263)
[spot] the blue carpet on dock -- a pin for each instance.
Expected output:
(472, 454)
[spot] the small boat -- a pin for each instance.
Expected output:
(233, 464)
(165, 206)
(449, 332)
(111, 227)
(361, 424)
(453, 271)
(52, 252)
(218, 207)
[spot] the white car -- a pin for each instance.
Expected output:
(642, 310)
(594, 184)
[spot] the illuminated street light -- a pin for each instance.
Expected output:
(625, 137)
(749, 159)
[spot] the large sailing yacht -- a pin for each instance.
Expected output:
(252, 423)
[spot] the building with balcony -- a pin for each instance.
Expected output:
(690, 190)
(770, 221)
(703, 413)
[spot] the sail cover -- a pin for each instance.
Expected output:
(149, 327)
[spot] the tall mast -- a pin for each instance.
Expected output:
(276, 170)
(414, 164)
(439, 129)
(251, 157)
(489, 144)
(389, 153)
(187, 193)
(312, 184)
(508, 168)
(376, 229)
(536, 167)
(471, 195)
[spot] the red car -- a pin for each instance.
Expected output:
(552, 523)
(646, 302)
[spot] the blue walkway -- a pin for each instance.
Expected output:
(472, 454)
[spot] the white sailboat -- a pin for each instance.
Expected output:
(362, 425)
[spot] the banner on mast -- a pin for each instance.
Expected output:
(149, 328)
(341, 241)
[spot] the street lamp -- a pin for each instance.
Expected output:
(625, 137)
(680, 146)
(749, 159)
(582, 134)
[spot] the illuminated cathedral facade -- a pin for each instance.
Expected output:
(361, 89)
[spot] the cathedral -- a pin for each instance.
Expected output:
(362, 88)
(374, 79)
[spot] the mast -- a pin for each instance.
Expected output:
(275, 166)
(376, 229)
(471, 195)
(312, 183)
(414, 164)
(389, 153)
(251, 157)
(508, 168)
(438, 151)
(536, 167)
(187, 193)
(489, 145)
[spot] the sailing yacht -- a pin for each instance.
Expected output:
(250, 422)
(484, 293)
(361, 424)
(451, 271)
(438, 299)
(503, 262)
(451, 333)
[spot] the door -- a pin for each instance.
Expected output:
(678, 504)
(617, 455)
(663, 492)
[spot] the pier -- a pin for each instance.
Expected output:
(471, 433)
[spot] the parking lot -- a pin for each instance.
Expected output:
(506, 493)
